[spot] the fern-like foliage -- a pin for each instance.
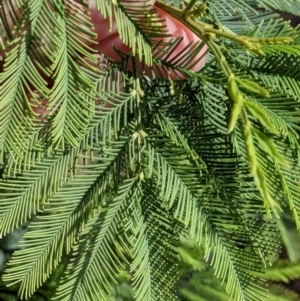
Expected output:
(197, 282)
(109, 168)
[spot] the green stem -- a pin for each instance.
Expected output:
(205, 32)
(179, 15)
(138, 116)
(215, 48)
(188, 8)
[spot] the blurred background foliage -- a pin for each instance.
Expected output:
(197, 281)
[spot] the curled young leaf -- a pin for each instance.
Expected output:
(233, 90)
(260, 115)
(253, 87)
(269, 202)
(268, 146)
(234, 116)
(250, 149)
(237, 98)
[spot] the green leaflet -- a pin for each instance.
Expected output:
(267, 145)
(234, 116)
(237, 98)
(250, 149)
(191, 296)
(233, 90)
(253, 87)
(269, 203)
(282, 271)
(258, 113)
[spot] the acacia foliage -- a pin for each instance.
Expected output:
(109, 167)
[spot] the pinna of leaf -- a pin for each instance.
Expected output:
(109, 42)
(109, 39)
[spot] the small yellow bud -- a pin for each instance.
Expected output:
(141, 176)
(135, 135)
(143, 134)
(133, 93)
